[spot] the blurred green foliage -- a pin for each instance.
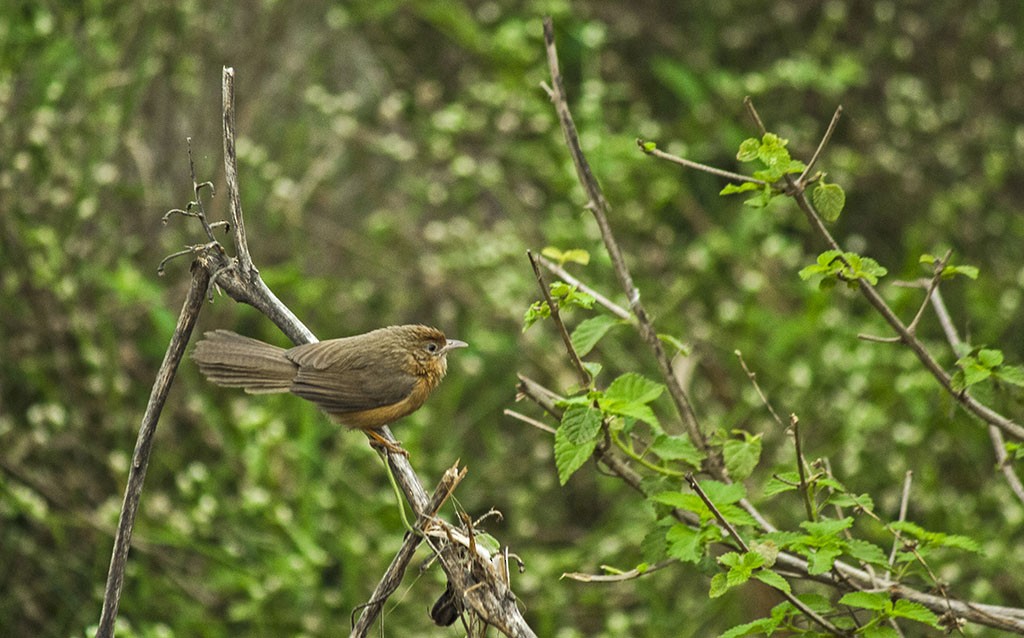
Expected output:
(397, 159)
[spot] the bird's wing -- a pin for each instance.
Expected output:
(344, 379)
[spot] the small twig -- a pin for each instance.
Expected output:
(682, 161)
(805, 490)
(630, 574)
(144, 447)
(752, 376)
(615, 308)
(577, 363)
(802, 180)
(940, 266)
(908, 479)
(540, 425)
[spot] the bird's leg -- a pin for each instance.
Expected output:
(379, 441)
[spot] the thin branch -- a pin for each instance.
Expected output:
(682, 161)
(598, 205)
(933, 285)
(908, 479)
(802, 180)
(805, 489)
(752, 376)
(584, 376)
(194, 302)
(564, 274)
(619, 577)
(540, 425)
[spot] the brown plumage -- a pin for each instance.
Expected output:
(365, 382)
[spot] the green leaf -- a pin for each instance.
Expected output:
(915, 611)
(829, 199)
(676, 448)
(577, 256)
(772, 579)
(761, 626)
(685, 543)
(822, 560)
(742, 456)
(719, 585)
(634, 388)
(570, 456)
(538, 310)
(875, 601)
(1014, 375)
(866, 552)
(722, 493)
(743, 187)
(990, 358)
(581, 424)
(590, 331)
(748, 150)
(783, 482)
(971, 272)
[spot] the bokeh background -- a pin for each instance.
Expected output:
(397, 159)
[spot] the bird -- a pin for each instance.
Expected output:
(363, 382)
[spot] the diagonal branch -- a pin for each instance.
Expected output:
(598, 205)
(194, 302)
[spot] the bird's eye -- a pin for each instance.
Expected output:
(432, 347)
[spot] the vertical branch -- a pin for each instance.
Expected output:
(598, 205)
(231, 172)
(144, 446)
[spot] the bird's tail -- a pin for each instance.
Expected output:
(231, 360)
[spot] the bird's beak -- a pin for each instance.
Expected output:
(451, 344)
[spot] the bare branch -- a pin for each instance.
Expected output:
(615, 308)
(144, 446)
(630, 574)
(682, 161)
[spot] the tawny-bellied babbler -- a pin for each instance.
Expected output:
(364, 382)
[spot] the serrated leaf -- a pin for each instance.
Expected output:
(761, 626)
(748, 150)
(723, 493)
(879, 631)
(822, 560)
(742, 456)
(971, 272)
(719, 585)
(634, 388)
(570, 456)
(684, 543)
(915, 611)
(827, 528)
(829, 199)
(866, 552)
(676, 448)
(580, 424)
(775, 486)
(772, 579)
(590, 331)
